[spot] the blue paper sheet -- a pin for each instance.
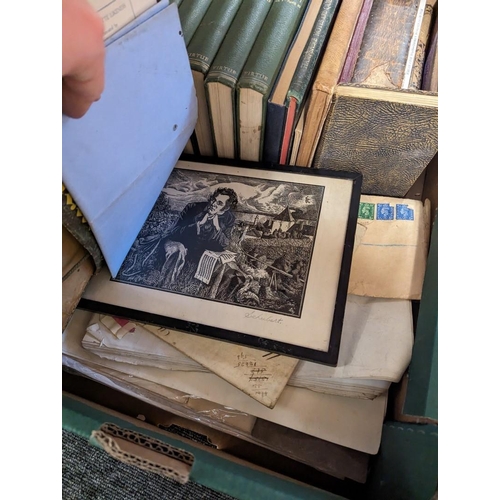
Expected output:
(117, 158)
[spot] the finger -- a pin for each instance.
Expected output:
(78, 95)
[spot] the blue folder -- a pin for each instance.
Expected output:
(117, 158)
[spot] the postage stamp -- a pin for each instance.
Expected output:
(404, 212)
(385, 211)
(366, 211)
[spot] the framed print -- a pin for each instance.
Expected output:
(243, 253)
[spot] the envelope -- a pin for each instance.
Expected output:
(390, 249)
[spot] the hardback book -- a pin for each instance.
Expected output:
(415, 80)
(386, 53)
(201, 51)
(360, 131)
(430, 74)
(191, 13)
(114, 172)
(295, 74)
(297, 136)
(221, 79)
(327, 77)
(260, 72)
(357, 38)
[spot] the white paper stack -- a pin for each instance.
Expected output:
(375, 349)
(351, 422)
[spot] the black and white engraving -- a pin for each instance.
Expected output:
(238, 240)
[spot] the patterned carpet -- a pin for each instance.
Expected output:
(89, 473)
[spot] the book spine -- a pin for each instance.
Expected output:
(330, 68)
(273, 134)
(267, 55)
(418, 64)
(386, 43)
(191, 13)
(240, 38)
(357, 38)
(304, 74)
(210, 33)
(311, 56)
(430, 73)
(271, 45)
(412, 50)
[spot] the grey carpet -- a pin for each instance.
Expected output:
(89, 473)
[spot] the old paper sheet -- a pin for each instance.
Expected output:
(261, 375)
(355, 423)
(390, 251)
(136, 345)
(118, 13)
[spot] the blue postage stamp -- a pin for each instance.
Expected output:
(385, 211)
(366, 211)
(404, 212)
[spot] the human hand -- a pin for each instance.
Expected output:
(83, 54)
(215, 220)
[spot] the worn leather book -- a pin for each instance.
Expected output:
(260, 72)
(387, 43)
(77, 269)
(221, 79)
(201, 51)
(423, 38)
(430, 74)
(389, 136)
(191, 13)
(327, 77)
(315, 23)
(357, 38)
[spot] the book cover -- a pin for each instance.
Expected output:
(389, 136)
(305, 72)
(201, 51)
(221, 79)
(260, 72)
(327, 77)
(430, 73)
(415, 80)
(315, 21)
(191, 13)
(386, 44)
(357, 38)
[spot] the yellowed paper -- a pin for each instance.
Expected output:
(390, 251)
(352, 422)
(118, 13)
(262, 375)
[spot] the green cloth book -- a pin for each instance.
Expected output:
(201, 51)
(222, 77)
(260, 71)
(191, 13)
(291, 86)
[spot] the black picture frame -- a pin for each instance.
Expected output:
(98, 300)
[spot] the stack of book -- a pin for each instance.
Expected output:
(265, 71)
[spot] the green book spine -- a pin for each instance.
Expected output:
(312, 52)
(178, 2)
(191, 13)
(233, 53)
(210, 33)
(270, 48)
